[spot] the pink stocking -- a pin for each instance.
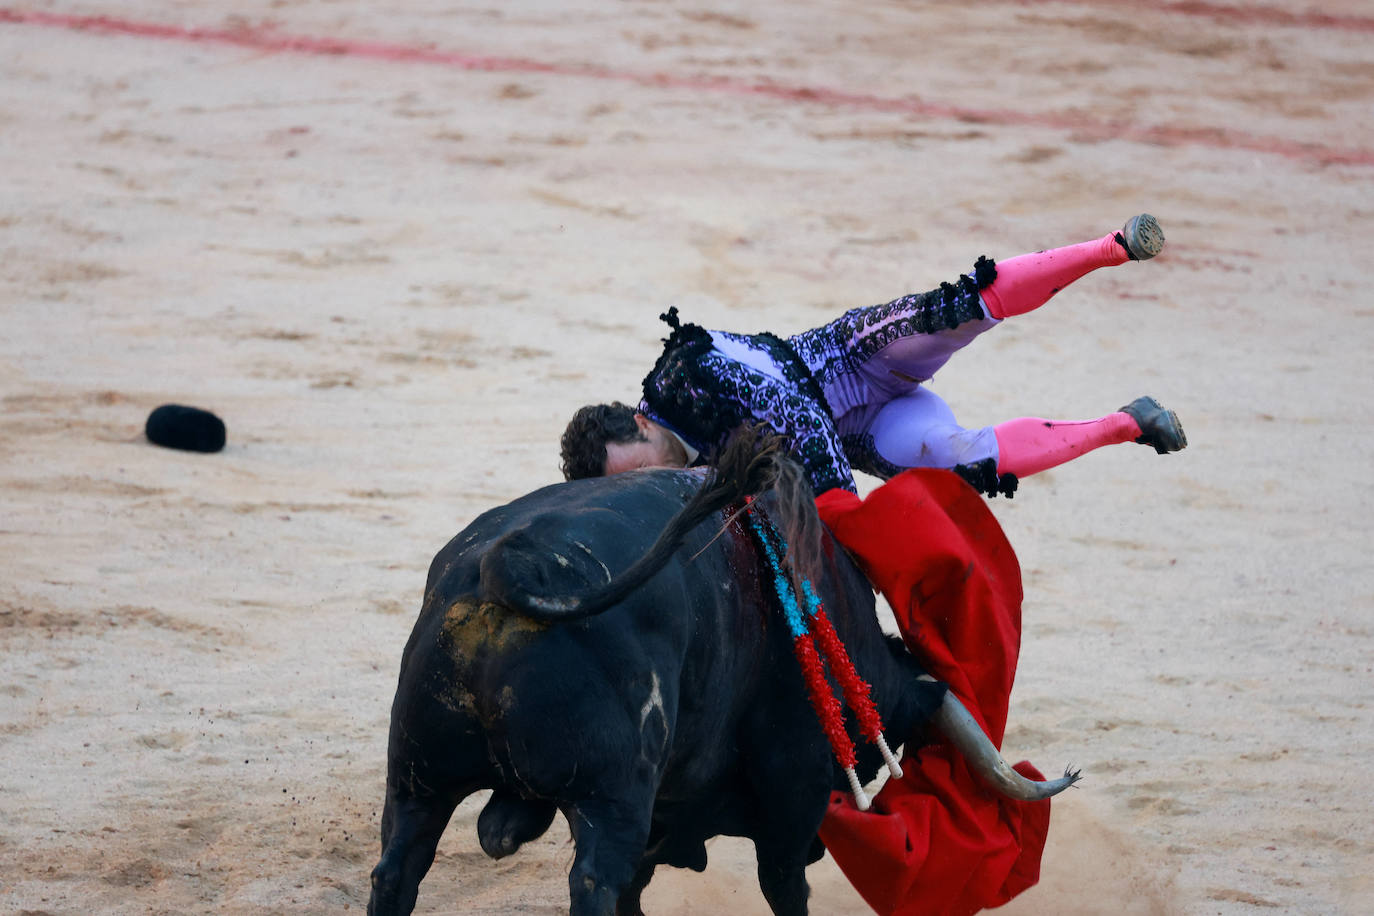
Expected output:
(1027, 281)
(1030, 445)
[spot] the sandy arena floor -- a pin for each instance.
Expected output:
(394, 246)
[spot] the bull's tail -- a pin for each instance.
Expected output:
(752, 462)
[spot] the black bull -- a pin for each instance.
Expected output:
(675, 714)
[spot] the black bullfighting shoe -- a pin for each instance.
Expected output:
(1158, 427)
(1141, 237)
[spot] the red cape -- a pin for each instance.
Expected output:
(937, 841)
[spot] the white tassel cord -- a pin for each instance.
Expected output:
(893, 766)
(860, 796)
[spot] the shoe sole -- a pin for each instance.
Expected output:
(1144, 237)
(1175, 432)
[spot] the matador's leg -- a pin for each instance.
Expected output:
(1027, 281)
(919, 430)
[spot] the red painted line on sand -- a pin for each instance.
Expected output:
(1224, 12)
(266, 39)
(1266, 15)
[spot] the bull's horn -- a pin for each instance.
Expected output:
(964, 732)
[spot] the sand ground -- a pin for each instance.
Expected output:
(395, 245)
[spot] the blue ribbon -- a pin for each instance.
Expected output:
(787, 596)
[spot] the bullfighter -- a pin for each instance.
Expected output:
(852, 394)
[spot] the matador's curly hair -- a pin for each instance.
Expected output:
(584, 439)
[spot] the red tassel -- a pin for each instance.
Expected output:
(856, 689)
(827, 707)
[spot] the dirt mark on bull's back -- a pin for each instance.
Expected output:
(472, 627)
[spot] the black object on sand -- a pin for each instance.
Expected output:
(187, 428)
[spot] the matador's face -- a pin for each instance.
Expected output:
(657, 449)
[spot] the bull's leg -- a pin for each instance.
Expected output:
(629, 903)
(411, 828)
(782, 877)
(795, 807)
(610, 835)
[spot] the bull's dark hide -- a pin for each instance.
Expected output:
(677, 714)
